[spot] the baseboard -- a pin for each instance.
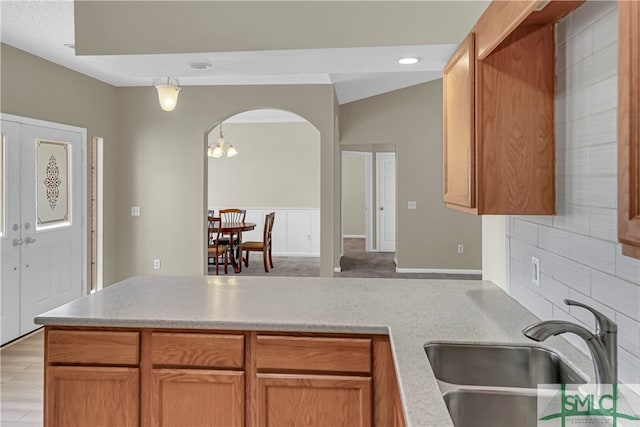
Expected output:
(436, 270)
(337, 269)
(353, 236)
(298, 254)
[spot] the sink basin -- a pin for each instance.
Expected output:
(499, 365)
(473, 408)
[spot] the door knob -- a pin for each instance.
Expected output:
(17, 242)
(30, 240)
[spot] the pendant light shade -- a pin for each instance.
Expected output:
(168, 93)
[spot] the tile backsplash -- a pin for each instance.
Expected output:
(579, 255)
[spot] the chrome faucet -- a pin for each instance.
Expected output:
(603, 344)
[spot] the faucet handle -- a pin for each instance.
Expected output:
(604, 323)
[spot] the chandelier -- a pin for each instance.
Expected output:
(221, 150)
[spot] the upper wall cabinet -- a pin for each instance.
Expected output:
(629, 127)
(498, 126)
(499, 89)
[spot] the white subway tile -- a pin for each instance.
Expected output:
(579, 47)
(521, 273)
(553, 240)
(577, 276)
(538, 305)
(628, 367)
(604, 224)
(595, 129)
(595, 253)
(605, 30)
(620, 294)
(585, 316)
(599, 66)
(577, 104)
(518, 293)
(540, 219)
(572, 218)
(586, 15)
(628, 333)
(554, 291)
(627, 268)
(525, 231)
(599, 191)
(604, 95)
(577, 162)
(603, 160)
(523, 253)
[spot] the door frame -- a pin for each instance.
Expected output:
(83, 178)
(379, 156)
(368, 212)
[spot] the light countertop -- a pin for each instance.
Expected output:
(411, 312)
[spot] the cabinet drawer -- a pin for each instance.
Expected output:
(93, 347)
(314, 354)
(197, 350)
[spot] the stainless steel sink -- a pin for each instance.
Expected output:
(499, 365)
(473, 408)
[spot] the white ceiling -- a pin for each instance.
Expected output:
(44, 27)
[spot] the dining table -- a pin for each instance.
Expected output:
(234, 230)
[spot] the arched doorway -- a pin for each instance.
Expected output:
(276, 169)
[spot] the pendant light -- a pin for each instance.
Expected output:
(167, 93)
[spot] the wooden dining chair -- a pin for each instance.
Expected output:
(232, 215)
(264, 246)
(216, 247)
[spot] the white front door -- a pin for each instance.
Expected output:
(386, 192)
(42, 252)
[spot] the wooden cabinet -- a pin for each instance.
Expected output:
(314, 400)
(197, 398)
(91, 396)
(129, 377)
(459, 126)
(499, 152)
(105, 394)
(629, 127)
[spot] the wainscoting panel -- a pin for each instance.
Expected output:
(296, 231)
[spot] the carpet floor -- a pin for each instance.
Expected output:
(356, 262)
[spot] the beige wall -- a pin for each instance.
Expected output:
(353, 194)
(163, 162)
(33, 87)
(411, 119)
(278, 166)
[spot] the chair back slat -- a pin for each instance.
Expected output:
(213, 230)
(268, 228)
(233, 215)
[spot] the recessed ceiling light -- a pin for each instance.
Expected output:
(200, 65)
(408, 61)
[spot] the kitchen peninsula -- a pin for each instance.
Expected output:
(252, 340)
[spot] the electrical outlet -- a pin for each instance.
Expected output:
(135, 210)
(460, 249)
(156, 264)
(535, 274)
(411, 204)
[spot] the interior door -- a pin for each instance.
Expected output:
(42, 256)
(386, 185)
(10, 229)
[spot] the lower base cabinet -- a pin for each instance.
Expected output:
(180, 378)
(196, 398)
(92, 396)
(313, 400)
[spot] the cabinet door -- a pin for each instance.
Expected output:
(91, 396)
(313, 401)
(197, 398)
(459, 126)
(629, 127)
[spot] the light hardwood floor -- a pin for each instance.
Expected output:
(22, 381)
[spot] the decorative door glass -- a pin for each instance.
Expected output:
(53, 192)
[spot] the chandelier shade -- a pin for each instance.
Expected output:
(167, 93)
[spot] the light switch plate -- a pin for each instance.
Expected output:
(412, 204)
(135, 210)
(535, 273)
